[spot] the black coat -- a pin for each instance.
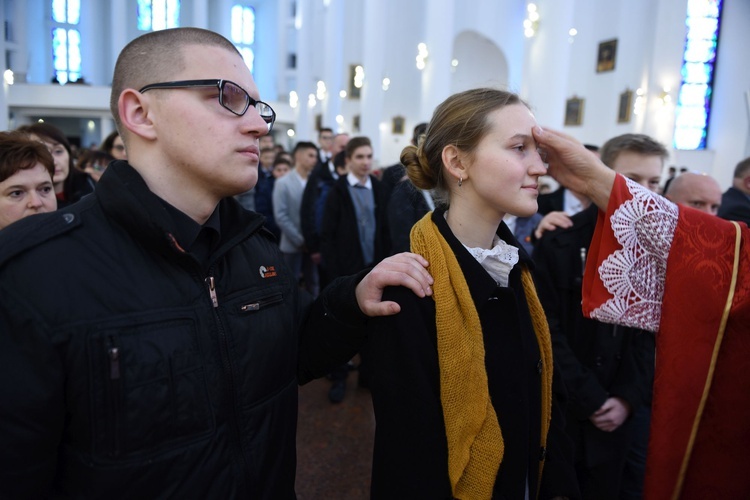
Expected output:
(735, 205)
(410, 457)
(405, 207)
(551, 202)
(340, 246)
(318, 184)
(126, 371)
(597, 360)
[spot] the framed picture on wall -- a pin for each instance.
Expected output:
(354, 81)
(318, 122)
(398, 125)
(625, 106)
(355, 123)
(605, 59)
(573, 111)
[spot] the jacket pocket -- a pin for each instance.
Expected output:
(149, 391)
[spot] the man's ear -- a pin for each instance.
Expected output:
(746, 183)
(135, 114)
(453, 161)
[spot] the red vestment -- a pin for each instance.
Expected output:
(668, 270)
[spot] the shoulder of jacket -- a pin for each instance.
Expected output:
(36, 230)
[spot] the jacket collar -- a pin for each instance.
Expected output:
(126, 199)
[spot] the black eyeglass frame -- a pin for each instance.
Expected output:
(219, 84)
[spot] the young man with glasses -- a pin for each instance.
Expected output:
(164, 361)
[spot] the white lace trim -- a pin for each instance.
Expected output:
(498, 261)
(645, 227)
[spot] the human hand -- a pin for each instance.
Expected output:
(552, 221)
(611, 415)
(404, 269)
(575, 167)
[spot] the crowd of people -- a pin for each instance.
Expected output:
(516, 344)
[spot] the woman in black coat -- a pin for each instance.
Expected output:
(465, 396)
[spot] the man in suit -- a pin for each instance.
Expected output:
(735, 203)
(607, 369)
(698, 191)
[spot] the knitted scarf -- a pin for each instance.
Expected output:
(475, 441)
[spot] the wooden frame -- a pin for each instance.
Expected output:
(625, 106)
(605, 59)
(398, 125)
(574, 111)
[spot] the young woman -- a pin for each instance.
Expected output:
(465, 399)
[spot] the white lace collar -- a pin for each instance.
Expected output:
(498, 261)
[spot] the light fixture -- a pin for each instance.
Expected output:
(422, 54)
(290, 132)
(386, 83)
(293, 99)
(640, 102)
(91, 125)
(339, 119)
(311, 101)
(320, 91)
(531, 23)
(665, 98)
(8, 77)
(359, 76)
(342, 94)
(572, 32)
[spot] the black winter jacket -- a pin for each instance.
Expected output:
(128, 372)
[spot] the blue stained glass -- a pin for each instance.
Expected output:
(691, 117)
(173, 13)
(692, 95)
(58, 11)
(249, 56)
(144, 15)
(74, 11)
(697, 72)
(74, 50)
(236, 19)
(690, 138)
(159, 19)
(699, 50)
(60, 49)
(702, 28)
(248, 26)
(702, 8)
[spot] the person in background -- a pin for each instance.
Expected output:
(94, 162)
(282, 164)
(698, 191)
(608, 370)
(26, 170)
(70, 184)
(467, 402)
(394, 174)
(113, 145)
(735, 202)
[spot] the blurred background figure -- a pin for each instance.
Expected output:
(70, 184)
(735, 203)
(699, 191)
(93, 163)
(113, 145)
(26, 170)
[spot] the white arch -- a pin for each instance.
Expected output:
(481, 63)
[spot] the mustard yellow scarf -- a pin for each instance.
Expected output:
(475, 441)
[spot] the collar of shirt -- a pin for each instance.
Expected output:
(187, 230)
(332, 169)
(571, 204)
(353, 181)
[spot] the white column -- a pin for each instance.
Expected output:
(439, 36)
(334, 61)
(371, 98)
(305, 84)
(118, 33)
(200, 14)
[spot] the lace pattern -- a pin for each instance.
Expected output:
(498, 261)
(645, 227)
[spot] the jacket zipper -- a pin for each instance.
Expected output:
(226, 364)
(113, 351)
(263, 302)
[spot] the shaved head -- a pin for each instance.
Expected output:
(156, 57)
(699, 191)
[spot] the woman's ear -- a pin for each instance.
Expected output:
(136, 115)
(453, 160)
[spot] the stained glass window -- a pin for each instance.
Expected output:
(66, 40)
(243, 32)
(154, 15)
(699, 59)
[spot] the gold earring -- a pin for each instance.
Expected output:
(460, 180)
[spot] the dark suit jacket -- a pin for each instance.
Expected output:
(735, 205)
(597, 360)
(318, 184)
(405, 207)
(551, 202)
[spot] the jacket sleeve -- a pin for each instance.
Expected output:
(32, 405)
(307, 214)
(282, 216)
(329, 233)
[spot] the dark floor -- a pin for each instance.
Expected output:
(334, 443)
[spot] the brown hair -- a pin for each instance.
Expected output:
(356, 142)
(636, 143)
(18, 152)
(742, 169)
(156, 57)
(461, 120)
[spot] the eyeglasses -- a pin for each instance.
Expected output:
(231, 97)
